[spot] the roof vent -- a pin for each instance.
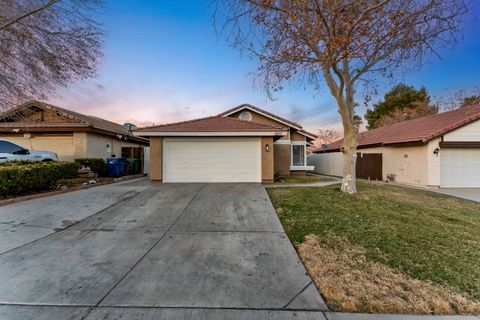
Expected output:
(245, 115)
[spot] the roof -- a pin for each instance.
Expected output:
(270, 115)
(212, 124)
(420, 130)
(82, 120)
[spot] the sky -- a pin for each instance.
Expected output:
(163, 62)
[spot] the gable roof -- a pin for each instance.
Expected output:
(420, 130)
(261, 111)
(81, 120)
(213, 124)
(269, 115)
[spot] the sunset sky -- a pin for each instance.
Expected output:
(163, 63)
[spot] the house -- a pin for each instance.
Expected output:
(243, 144)
(72, 135)
(441, 150)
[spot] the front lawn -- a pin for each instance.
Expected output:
(386, 249)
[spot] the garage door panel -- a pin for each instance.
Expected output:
(227, 160)
(460, 168)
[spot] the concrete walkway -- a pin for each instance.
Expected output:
(170, 251)
(333, 181)
(463, 193)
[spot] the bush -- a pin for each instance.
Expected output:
(19, 177)
(97, 165)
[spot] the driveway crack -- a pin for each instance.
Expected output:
(149, 250)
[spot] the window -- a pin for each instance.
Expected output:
(298, 155)
(245, 115)
(8, 147)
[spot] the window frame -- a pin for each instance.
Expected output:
(298, 143)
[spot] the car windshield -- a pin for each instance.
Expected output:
(8, 147)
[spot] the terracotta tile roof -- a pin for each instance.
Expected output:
(82, 119)
(246, 105)
(212, 124)
(419, 130)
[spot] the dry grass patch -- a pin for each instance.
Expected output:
(351, 282)
(419, 236)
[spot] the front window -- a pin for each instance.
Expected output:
(298, 155)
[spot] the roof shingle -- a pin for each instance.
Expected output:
(419, 130)
(212, 124)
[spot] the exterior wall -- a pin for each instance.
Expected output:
(408, 164)
(295, 136)
(469, 132)
(330, 164)
(97, 146)
(80, 144)
(156, 158)
(61, 144)
(267, 159)
(45, 116)
(433, 163)
(282, 159)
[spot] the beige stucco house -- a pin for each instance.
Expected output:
(243, 144)
(41, 126)
(441, 150)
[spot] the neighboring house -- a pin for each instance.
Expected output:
(441, 150)
(243, 144)
(38, 125)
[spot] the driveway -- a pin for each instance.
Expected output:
(170, 251)
(464, 193)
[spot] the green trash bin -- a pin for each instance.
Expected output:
(129, 168)
(137, 166)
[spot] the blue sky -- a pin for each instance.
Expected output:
(163, 63)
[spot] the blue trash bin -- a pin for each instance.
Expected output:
(116, 167)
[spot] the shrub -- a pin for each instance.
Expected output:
(23, 176)
(97, 165)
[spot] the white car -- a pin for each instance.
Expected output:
(13, 152)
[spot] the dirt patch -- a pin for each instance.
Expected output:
(350, 282)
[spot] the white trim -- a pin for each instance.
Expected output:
(299, 143)
(302, 168)
(307, 135)
(263, 114)
(208, 134)
(281, 141)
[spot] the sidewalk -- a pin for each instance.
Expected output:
(333, 181)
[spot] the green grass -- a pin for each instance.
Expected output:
(425, 235)
(301, 179)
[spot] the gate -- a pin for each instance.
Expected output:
(369, 166)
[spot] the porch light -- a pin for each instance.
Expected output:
(267, 148)
(436, 151)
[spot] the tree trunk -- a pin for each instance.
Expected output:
(344, 94)
(349, 182)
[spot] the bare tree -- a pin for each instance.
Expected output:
(459, 99)
(421, 109)
(325, 136)
(343, 43)
(46, 44)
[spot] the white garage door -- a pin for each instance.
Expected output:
(211, 160)
(460, 168)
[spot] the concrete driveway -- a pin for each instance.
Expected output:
(141, 251)
(464, 193)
